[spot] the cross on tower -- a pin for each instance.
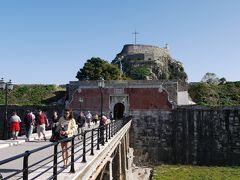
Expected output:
(135, 35)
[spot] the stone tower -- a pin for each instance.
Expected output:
(158, 60)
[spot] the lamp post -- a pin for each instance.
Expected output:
(80, 101)
(6, 87)
(101, 85)
(101, 125)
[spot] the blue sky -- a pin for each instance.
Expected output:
(47, 41)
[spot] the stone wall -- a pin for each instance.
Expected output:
(155, 51)
(171, 87)
(187, 135)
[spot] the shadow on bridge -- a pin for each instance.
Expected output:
(89, 156)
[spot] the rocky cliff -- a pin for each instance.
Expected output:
(157, 60)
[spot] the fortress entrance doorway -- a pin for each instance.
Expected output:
(118, 111)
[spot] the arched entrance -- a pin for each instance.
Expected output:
(118, 110)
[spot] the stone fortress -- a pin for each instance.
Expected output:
(158, 60)
(166, 128)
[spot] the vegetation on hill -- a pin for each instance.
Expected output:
(34, 95)
(139, 73)
(208, 94)
(184, 172)
(95, 68)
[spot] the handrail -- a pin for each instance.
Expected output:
(91, 139)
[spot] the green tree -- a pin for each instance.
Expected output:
(140, 72)
(203, 93)
(210, 78)
(215, 95)
(97, 67)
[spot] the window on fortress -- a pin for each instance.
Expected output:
(149, 58)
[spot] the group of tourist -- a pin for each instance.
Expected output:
(30, 120)
(40, 121)
(62, 127)
(66, 126)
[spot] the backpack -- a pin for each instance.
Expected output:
(29, 119)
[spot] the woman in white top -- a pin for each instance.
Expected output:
(15, 125)
(67, 126)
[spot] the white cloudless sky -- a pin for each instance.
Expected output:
(46, 42)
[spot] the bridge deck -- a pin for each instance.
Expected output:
(83, 170)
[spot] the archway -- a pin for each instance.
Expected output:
(118, 110)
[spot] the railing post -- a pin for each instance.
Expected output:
(115, 128)
(101, 133)
(84, 147)
(109, 131)
(55, 161)
(112, 129)
(98, 141)
(72, 170)
(92, 143)
(25, 165)
(106, 133)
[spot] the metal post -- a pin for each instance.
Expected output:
(101, 124)
(80, 102)
(55, 161)
(80, 107)
(72, 170)
(92, 143)
(112, 129)
(98, 139)
(5, 87)
(101, 101)
(109, 133)
(6, 113)
(84, 147)
(80, 110)
(106, 133)
(25, 165)
(102, 134)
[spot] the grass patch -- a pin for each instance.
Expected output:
(184, 172)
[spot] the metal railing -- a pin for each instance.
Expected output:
(91, 140)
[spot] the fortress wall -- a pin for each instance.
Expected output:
(169, 86)
(187, 135)
(145, 49)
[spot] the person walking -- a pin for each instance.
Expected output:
(89, 118)
(55, 127)
(81, 120)
(111, 116)
(95, 118)
(41, 122)
(102, 124)
(67, 125)
(15, 125)
(55, 119)
(29, 121)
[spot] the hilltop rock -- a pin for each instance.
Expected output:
(156, 59)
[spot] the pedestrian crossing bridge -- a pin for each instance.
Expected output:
(101, 153)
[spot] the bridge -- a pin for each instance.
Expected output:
(101, 153)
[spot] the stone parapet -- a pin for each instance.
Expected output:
(187, 135)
